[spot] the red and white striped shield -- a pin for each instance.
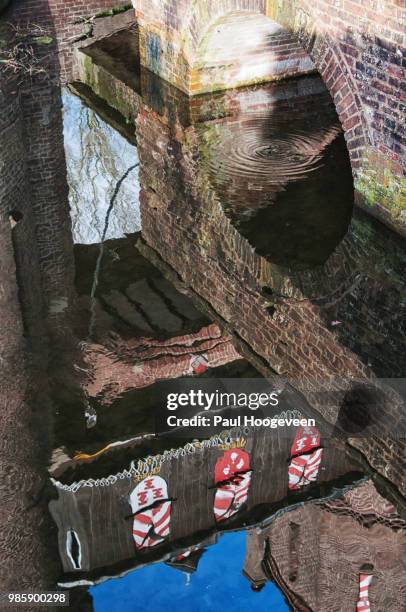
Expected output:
(233, 476)
(306, 439)
(152, 508)
(304, 469)
(363, 604)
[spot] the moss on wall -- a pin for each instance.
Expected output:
(381, 189)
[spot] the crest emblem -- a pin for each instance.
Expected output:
(151, 508)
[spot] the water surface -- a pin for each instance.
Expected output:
(275, 159)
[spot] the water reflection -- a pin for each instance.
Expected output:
(279, 165)
(306, 322)
(307, 511)
(166, 509)
(218, 584)
(97, 156)
(164, 503)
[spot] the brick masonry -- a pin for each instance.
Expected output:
(245, 48)
(290, 327)
(293, 337)
(25, 435)
(204, 46)
(69, 21)
(357, 46)
(315, 552)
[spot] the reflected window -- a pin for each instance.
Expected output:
(74, 549)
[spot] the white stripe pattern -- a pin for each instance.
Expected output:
(363, 604)
(304, 469)
(231, 496)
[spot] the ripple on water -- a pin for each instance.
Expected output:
(295, 166)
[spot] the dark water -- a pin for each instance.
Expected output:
(279, 165)
(276, 159)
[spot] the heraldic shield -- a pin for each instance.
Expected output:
(232, 477)
(152, 512)
(306, 457)
(363, 604)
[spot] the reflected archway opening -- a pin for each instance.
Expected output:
(274, 152)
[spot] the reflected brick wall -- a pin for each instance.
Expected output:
(95, 507)
(291, 326)
(38, 186)
(17, 218)
(28, 556)
(316, 552)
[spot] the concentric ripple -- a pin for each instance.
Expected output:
(263, 150)
(291, 160)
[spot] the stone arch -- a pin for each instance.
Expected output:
(201, 16)
(170, 31)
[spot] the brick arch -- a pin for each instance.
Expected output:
(358, 52)
(240, 48)
(299, 27)
(333, 68)
(175, 51)
(201, 16)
